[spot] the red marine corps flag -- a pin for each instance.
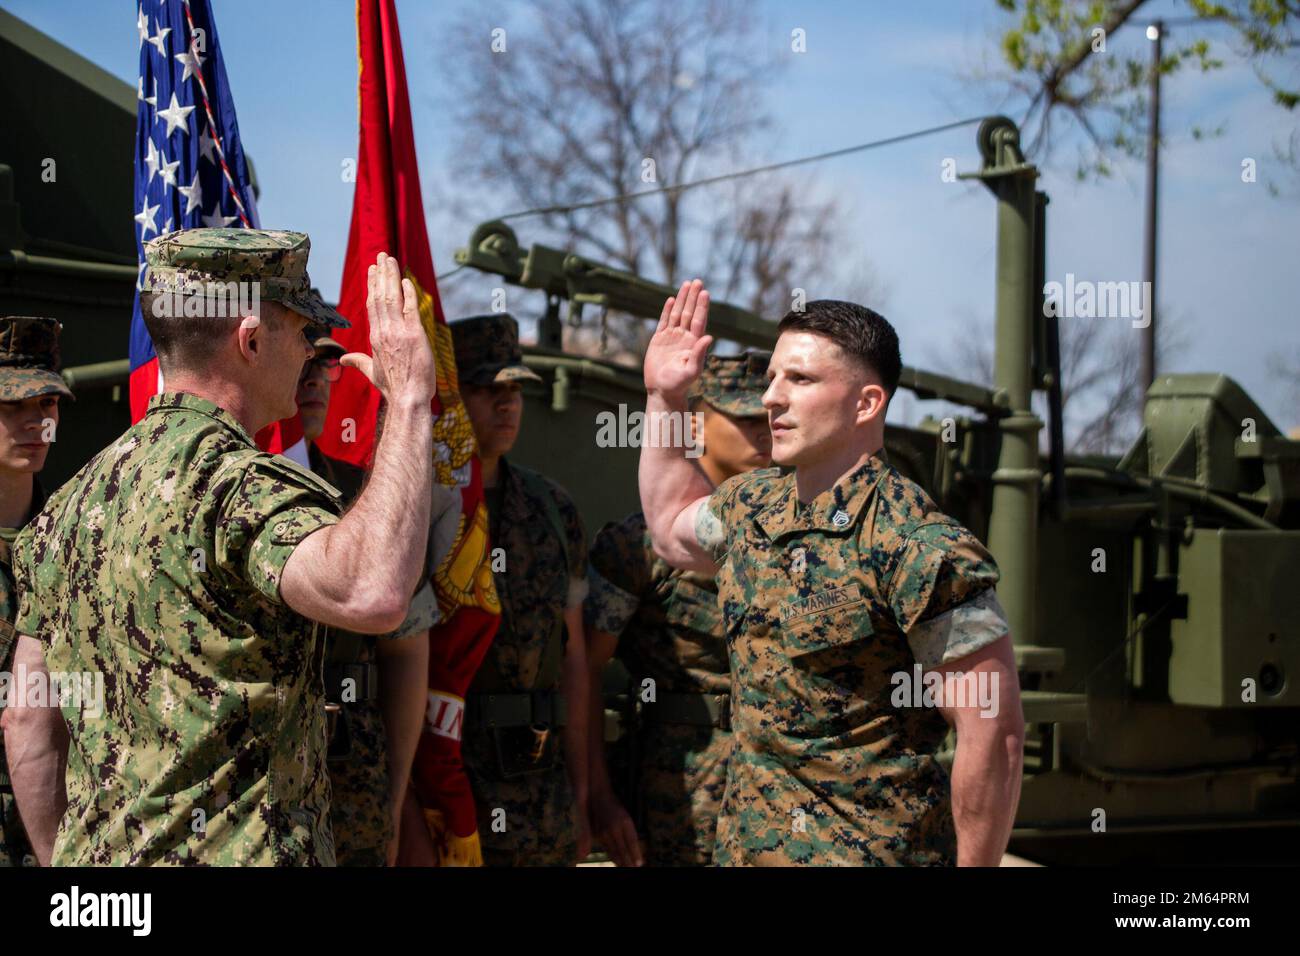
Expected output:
(388, 216)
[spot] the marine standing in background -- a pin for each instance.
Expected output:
(30, 388)
(194, 571)
(530, 786)
(835, 580)
(666, 627)
(374, 685)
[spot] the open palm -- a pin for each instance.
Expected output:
(675, 355)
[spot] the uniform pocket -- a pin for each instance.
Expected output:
(829, 618)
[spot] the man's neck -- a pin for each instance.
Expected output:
(717, 475)
(491, 471)
(227, 396)
(811, 480)
(17, 488)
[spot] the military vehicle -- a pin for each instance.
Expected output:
(1157, 638)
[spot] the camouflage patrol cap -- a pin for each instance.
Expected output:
(734, 383)
(487, 350)
(323, 343)
(188, 260)
(29, 358)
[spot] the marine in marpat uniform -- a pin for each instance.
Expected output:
(30, 389)
(369, 767)
(841, 583)
(666, 627)
(524, 736)
(192, 571)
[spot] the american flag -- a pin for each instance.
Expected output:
(189, 162)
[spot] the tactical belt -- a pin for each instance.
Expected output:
(494, 710)
(365, 678)
(696, 709)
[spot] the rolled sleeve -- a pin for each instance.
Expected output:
(962, 631)
(941, 593)
(422, 615)
(609, 608)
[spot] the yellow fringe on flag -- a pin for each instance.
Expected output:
(453, 850)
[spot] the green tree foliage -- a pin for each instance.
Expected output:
(1061, 56)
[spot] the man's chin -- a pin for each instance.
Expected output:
(784, 457)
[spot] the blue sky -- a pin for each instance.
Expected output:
(1229, 253)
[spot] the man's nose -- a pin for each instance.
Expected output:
(771, 397)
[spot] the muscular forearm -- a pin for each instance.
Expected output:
(381, 541)
(670, 483)
(986, 777)
(403, 689)
(360, 573)
(36, 744)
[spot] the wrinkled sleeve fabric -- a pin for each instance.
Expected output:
(30, 618)
(714, 518)
(941, 593)
(576, 546)
(619, 574)
(268, 510)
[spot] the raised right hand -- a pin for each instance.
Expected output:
(675, 356)
(401, 364)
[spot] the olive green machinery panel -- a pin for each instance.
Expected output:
(1243, 620)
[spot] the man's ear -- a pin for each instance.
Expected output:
(872, 401)
(250, 339)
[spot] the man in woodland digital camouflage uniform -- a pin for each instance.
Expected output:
(374, 684)
(194, 572)
(524, 736)
(837, 580)
(30, 388)
(667, 629)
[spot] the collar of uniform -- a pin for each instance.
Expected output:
(172, 401)
(834, 511)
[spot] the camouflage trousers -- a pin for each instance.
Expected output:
(14, 848)
(528, 820)
(683, 774)
(359, 811)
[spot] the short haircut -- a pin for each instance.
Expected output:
(861, 332)
(185, 342)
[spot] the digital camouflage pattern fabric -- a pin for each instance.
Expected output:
(487, 350)
(544, 575)
(14, 847)
(29, 358)
(734, 383)
(670, 631)
(158, 566)
(360, 817)
(823, 603)
(275, 261)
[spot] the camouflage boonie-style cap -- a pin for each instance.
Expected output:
(487, 350)
(734, 383)
(188, 259)
(29, 358)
